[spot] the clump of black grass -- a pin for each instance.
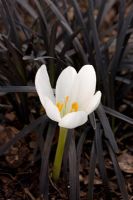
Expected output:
(54, 39)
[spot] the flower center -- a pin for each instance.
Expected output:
(63, 106)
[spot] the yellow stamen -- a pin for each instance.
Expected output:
(62, 107)
(59, 106)
(66, 99)
(74, 107)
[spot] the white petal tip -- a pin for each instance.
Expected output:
(40, 72)
(94, 103)
(73, 120)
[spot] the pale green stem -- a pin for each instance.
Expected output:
(59, 154)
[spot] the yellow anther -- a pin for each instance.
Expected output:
(74, 107)
(59, 106)
(66, 99)
(63, 107)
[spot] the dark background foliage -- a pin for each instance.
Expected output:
(62, 33)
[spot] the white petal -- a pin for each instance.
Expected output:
(42, 84)
(84, 86)
(51, 110)
(64, 83)
(94, 103)
(73, 120)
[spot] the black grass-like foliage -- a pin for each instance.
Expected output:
(44, 172)
(53, 39)
(23, 133)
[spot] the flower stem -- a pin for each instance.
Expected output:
(59, 154)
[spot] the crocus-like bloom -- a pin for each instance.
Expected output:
(74, 98)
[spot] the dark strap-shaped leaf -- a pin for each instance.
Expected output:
(54, 58)
(106, 126)
(74, 194)
(27, 6)
(101, 162)
(118, 115)
(121, 12)
(26, 130)
(122, 39)
(69, 41)
(118, 173)
(43, 22)
(101, 13)
(93, 158)
(51, 52)
(7, 89)
(44, 182)
(82, 24)
(79, 152)
(40, 140)
(100, 64)
(92, 120)
(81, 142)
(10, 18)
(65, 24)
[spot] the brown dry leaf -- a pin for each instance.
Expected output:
(97, 181)
(10, 116)
(82, 194)
(7, 133)
(70, 14)
(17, 155)
(126, 162)
(18, 152)
(83, 5)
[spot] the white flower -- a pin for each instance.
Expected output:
(75, 96)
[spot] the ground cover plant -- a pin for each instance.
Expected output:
(97, 159)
